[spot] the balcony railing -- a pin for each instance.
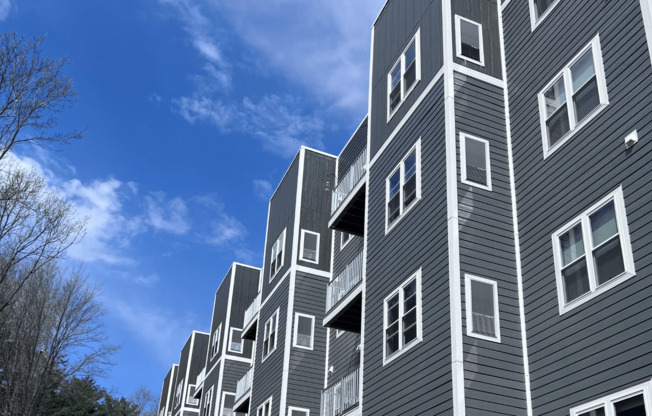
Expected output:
(342, 285)
(350, 179)
(251, 311)
(244, 384)
(341, 396)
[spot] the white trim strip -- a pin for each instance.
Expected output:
(470, 72)
(646, 11)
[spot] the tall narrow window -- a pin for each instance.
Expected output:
(482, 316)
(207, 404)
(475, 161)
(404, 75)
(278, 256)
(309, 246)
(228, 400)
(265, 409)
(402, 318)
(191, 393)
(469, 40)
(634, 401)
(304, 329)
(404, 185)
(215, 340)
(269, 335)
(235, 343)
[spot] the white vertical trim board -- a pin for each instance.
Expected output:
(646, 10)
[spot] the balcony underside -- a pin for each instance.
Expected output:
(349, 217)
(249, 332)
(347, 314)
(242, 405)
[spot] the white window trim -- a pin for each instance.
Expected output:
(296, 330)
(469, 307)
(565, 73)
(487, 150)
(338, 333)
(626, 247)
(231, 341)
(342, 242)
(402, 210)
(608, 402)
(401, 61)
(281, 238)
(191, 401)
(217, 342)
(292, 409)
(275, 336)
(303, 246)
(178, 393)
(263, 405)
(208, 402)
(458, 40)
(534, 21)
(224, 394)
(402, 348)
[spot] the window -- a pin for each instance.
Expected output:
(593, 253)
(304, 328)
(191, 392)
(178, 393)
(402, 318)
(228, 400)
(482, 317)
(469, 40)
(404, 185)
(215, 341)
(631, 402)
(265, 409)
(338, 333)
(404, 75)
(309, 246)
(296, 411)
(208, 403)
(344, 239)
(539, 9)
(235, 344)
(278, 256)
(269, 337)
(573, 97)
(475, 160)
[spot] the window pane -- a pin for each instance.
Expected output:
(394, 184)
(304, 331)
(596, 412)
(392, 338)
(410, 75)
(609, 261)
(476, 161)
(572, 245)
(482, 298)
(555, 97)
(582, 70)
(470, 38)
(410, 326)
(576, 280)
(557, 125)
(410, 165)
(392, 310)
(540, 6)
(395, 91)
(634, 406)
(236, 340)
(310, 246)
(410, 296)
(603, 224)
(409, 191)
(586, 99)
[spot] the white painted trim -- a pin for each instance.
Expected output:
(258, 411)
(401, 62)
(292, 409)
(261, 279)
(229, 307)
(297, 210)
(487, 153)
(344, 244)
(536, 21)
(469, 307)
(401, 167)
(219, 339)
(502, 6)
(608, 402)
(238, 359)
(223, 401)
(231, 341)
(209, 396)
(286, 346)
(321, 152)
(237, 263)
(343, 303)
(285, 174)
(646, 11)
(473, 73)
(378, 16)
(625, 247)
(266, 336)
(347, 201)
(298, 315)
(281, 237)
(315, 272)
(278, 284)
(458, 40)
(303, 246)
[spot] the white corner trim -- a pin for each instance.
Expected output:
(646, 11)
(296, 227)
(287, 345)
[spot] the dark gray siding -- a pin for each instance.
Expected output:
(268, 374)
(245, 290)
(220, 307)
(306, 376)
(165, 400)
(212, 380)
(345, 256)
(484, 12)
(494, 377)
(233, 372)
(393, 30)
(343, 355)
(198, 356)
(315, 205)
(603, 345)
(352, 149)
(417, 241)
(184, 359)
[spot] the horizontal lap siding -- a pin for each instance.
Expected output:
(212, 380)
(494, 377)
(343, 355)
(181, 373)
(245, 290)
(417, 241)
(601, 346)
(233, 372)
(220, 306)
(352, 150)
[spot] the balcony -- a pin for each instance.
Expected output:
(251, 319)
(243, 392)
(342, 397)
(201, 377)
(348, 199)
(344, 298)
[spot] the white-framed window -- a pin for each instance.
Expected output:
(270, 335)
(635, 401)
(235, 340)
(215, 341)
(573, 97)
(344, 239)
(178, 392)
(404, 75)
(403, 186)
(339, 332)
(482, 314)
(476, 161)
(402, 318)
(228, 400)
(207, 405)
(593, 252)
(304, 331)
(191, 392)
(309, 246)
(265, 409)
(468, 45)
(539, 10)
(278, 256)
(297, 411)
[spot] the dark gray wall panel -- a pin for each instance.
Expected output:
(212, 380)
(245, 290)
(233, 372)
(220, 307)
(165, 401)
(343, 355)
(344, 256)
(184, 361)
(356, 144)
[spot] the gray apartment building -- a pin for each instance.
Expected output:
(482, 245)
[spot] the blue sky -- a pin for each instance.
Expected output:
(193, 110)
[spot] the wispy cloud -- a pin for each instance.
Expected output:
(5, 9)
(167, 215)
(225, 230)
(148, 281)
(263, 189)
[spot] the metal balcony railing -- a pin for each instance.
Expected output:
(350, 179)
(341, 396)
(342, 285)
(244, 384)
(251, 311)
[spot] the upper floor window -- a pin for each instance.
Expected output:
(278, 255)
(404, 75)
(207, 404)
(235, 344)
(191, 396)
(304, 329)
(482, 317)
(178, 392)
(344, 239)
(310, 246)
(297, 411)
(469, 40)
(265, 409)
(403, 187)
(269, 335)
(402, 318)
(539, 9)
(573, 97)
(475, 161)
(635, 401)
(593, 253)
(215, 341)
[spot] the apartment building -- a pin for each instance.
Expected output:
(184, 378)
(484, 243)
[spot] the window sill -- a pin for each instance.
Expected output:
(550, 150)
(390, 227)
(391, 113)
(563, 309)
(394, 356)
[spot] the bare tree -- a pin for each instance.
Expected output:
(145, 401)
(33, 90)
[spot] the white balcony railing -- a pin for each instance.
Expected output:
(350, 179)
(341, 396)
(251, 311)
(342, 285)
(244, 384)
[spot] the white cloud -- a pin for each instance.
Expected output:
(263, 189)
(147, 281)
(225, 230)
(167, 215)
(5, 9)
